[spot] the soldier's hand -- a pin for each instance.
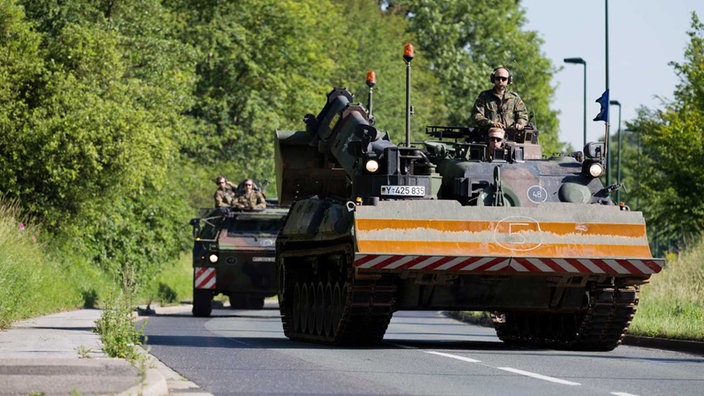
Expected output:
(498, 124)
(518, 127)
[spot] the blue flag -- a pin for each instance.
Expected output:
(604, 103)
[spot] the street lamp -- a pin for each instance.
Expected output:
(618, 165)
(581, 61)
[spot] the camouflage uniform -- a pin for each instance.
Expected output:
(226, 197)
(489, 108)
(251, 200)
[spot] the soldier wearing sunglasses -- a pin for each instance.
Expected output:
(251, 198)
(225, 194)
(499, 107)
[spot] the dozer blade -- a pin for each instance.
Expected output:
(415, 235)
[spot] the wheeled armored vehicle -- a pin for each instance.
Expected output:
(233, 255)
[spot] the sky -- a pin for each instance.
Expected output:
(644, 37)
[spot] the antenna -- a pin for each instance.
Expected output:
(531, 114)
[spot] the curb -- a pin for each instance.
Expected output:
(160, 379)
(686, 346)
(669, 344)
(153, 383)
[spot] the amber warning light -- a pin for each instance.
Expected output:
(371, 78)
(408, 52)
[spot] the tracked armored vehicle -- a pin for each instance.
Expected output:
(376, 227)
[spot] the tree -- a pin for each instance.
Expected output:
(254, 75)
(264, 64)
(466, 40)
(96, 122)
(671, 181)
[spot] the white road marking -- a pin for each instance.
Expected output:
(622, 394)
(451, 356)
(538, 376)
(509, 369)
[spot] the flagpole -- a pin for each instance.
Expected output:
(606, 126)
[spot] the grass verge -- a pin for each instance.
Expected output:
(672, 305)
(39, 277)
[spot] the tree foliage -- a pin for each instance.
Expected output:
(116, 115)
(466, 40)
(670, 181)
(98, 123)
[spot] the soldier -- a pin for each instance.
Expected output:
(225, 194)
(495, 140)
(250, 198)
(498, 106)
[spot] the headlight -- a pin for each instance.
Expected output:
(371, 166)
(213, 258)
(595, 170)
(591, 168)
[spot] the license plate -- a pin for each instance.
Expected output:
(263, 259)
(405, 191)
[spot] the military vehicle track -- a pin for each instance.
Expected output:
(328, 305)
(600, 328)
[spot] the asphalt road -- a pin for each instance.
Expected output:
(424, 353)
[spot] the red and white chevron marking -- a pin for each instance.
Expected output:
(204, 278)
(508, 264)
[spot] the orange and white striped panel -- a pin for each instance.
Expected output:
(555, 235)
(507, 265)
(204, 278)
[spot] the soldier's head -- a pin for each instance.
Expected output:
(221, 181)
(248, 184)
(495, 138)
(500, 77)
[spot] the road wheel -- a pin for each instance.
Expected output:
(338, 301)
(319, 309)
(327, 311)
(312, 291)
(304, 308)
(296, 308)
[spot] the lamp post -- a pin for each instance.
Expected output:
(581, 61)
(618, 164)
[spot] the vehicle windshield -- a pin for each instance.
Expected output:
(257, 226)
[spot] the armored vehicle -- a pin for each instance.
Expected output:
(233, 255)
(375, 227)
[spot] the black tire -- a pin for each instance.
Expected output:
(202, 303)
(246, 301)
(237, 301)
(255, 302)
